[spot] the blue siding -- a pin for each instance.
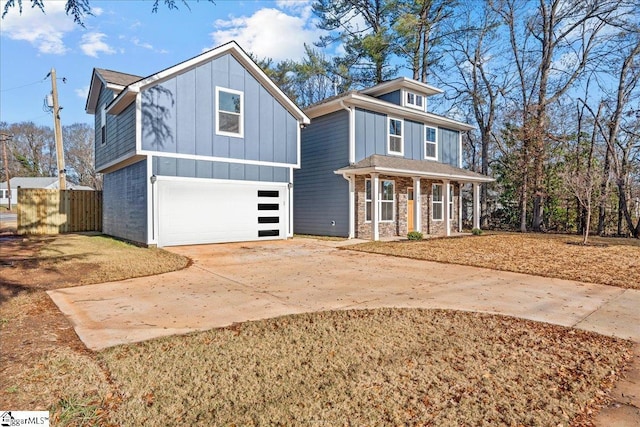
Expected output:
(392, 97)
(121, 132)
(371, 138)
(170, 166)
(413, 140)
(125, 203)
(371, 133)
(320, 196)
(448, 146)
(179, 116)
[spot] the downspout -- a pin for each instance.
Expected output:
(352, 160)
(352, 131)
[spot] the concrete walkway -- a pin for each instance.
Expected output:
(250, 281)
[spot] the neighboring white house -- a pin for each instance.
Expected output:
(44, 182)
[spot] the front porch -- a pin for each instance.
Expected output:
(389, 197)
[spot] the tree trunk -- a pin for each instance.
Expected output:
(524, 201)
(602, 208)
(586, 228)
(484, 195)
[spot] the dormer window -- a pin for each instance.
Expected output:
(414, 100)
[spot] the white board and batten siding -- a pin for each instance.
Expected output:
(216, 211)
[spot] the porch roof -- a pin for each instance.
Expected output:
(399, 166)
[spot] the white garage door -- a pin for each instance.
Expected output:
(192, 212)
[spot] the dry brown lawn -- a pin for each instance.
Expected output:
(43, 364)
(371, 367)
(607, 261)
(375, 367)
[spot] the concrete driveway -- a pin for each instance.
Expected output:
(248, 281)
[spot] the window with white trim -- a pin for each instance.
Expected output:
(414, 100)
(386, 201)
(229, 112)
(395, 140)
(103, 125)
(430, 143)
(436, 202)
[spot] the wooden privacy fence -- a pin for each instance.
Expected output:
(58, 211)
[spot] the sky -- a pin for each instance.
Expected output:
(124, 35)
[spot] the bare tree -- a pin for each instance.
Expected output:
(620, 130)
(551, 51)
(33, 148)
(474, 44)
(585, 185)
(79, 152)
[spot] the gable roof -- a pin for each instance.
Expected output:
(392, 165)
(401, 83)
(31, 182)
(128, 94)
(113, 80)
(116, 77)
(359, 99)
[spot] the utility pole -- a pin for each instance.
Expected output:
(58, 132)
(5, 138)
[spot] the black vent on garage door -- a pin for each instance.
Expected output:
(269, 213)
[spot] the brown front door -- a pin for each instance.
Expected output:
(410, 222)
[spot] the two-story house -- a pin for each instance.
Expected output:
(201, 152)
(376, 163)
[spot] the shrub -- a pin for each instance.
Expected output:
(476, 232)
(414, 235)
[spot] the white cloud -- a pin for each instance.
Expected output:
(82, 92)
(136, 41)
(271, 33)
(92, 44)
(45, 31)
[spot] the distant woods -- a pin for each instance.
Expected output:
(31, 152)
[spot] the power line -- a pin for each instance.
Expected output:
(25, 85)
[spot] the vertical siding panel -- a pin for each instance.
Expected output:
(252, 173)
(279, 133)
(221, 170)
(251, 118)
(204, 120)
(360, 135)
(236, 171)
(266, 126)
(186, 167)
(381, 133)
(266, 174)
(292, 139)
(186, 113)
(204, 169)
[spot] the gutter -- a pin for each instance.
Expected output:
(352, 131)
